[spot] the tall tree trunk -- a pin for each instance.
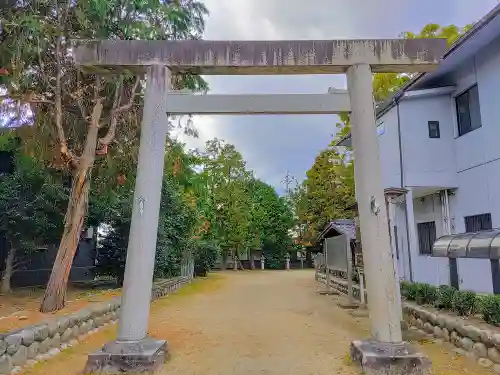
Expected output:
(8, 271)
(237, 261)
(55, 292)
(223, 262)
(252, 261)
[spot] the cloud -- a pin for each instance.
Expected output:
(273, 144)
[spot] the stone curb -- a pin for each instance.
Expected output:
(26, 346)
(479, 344)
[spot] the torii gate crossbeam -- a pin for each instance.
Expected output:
(133, 351)
(260, 104)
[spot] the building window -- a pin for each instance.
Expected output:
(434, 129)
(426, 237)
(477, 223)
(468, 112)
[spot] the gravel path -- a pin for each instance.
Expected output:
(263, 323)
(253, 323)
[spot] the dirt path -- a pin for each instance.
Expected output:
(20, 308)
(252, 323)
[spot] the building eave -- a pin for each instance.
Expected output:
(337, 226)
(419, 78)
(460, 42)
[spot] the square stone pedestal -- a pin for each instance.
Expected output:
(378, 358)
(145, 356)
(346, 305)
(326, 292)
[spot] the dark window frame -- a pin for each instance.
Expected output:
(469, 120)
(426, 233)
(477, 223)
(432, 134)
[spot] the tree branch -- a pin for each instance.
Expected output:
(16, 265)
(133, 93)
(79, 100)
(28, 98)
(116, 110)
(66, 154)
(110, 134)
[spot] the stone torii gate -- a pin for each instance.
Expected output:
(133, 351)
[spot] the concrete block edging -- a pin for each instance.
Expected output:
(476, 343)
(29, 345)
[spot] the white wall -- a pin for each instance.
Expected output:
(478, 160)
(476, 195)
(469, 147)
(427, 161)
(474, 274)
(425, 268)
(470, 162)
(480, 146)
(389, 148)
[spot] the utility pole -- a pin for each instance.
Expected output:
(287, 181)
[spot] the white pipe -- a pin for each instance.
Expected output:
(390, 214)
(446, 214)
(447, 211)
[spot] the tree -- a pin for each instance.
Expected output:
(32, 204)
(176, 222)
(113, 212)
(225, 177)
(236, 209)
(277, 241)
(328, 190)
(175, 228)
(258, 194)
(205, 256)
(77, 115)
(270, 221)
(329, 187)
(432, 30)
(386, 84)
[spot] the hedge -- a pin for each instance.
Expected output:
(463, 303)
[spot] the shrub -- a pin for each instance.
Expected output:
(404, 286)
(489, 307)
(411, 292)
(464, 302)
(425, 293)
(445, 295)
(205, 256)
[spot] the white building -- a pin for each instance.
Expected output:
(439, 138)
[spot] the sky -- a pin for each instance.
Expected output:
(271, 145)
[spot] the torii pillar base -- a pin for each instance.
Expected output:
(377, 358)
(145, 356)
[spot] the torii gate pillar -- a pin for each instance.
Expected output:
(385, 352)
(133, 351)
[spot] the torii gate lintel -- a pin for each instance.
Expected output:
(275, 57)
